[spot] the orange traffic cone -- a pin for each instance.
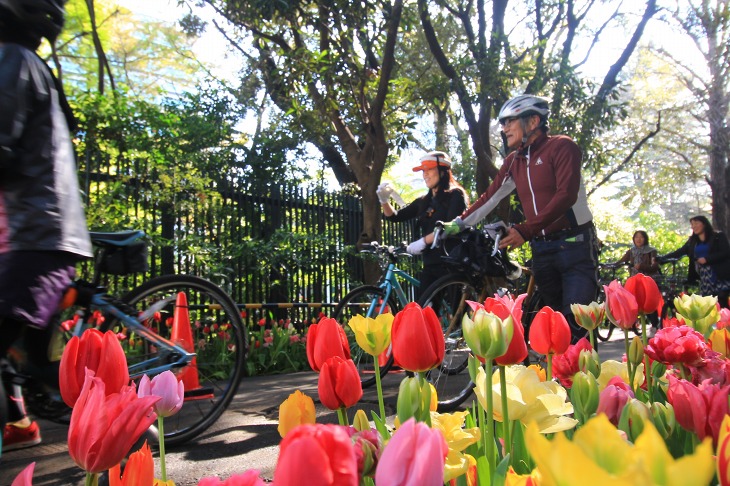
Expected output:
(182, 334)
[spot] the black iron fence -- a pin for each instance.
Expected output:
(276, 244)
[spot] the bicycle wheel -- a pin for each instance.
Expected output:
(605, 330)
(447, 297)
(218, 340)
(366, 301)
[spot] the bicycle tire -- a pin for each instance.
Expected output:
(447, 296)
(219, 341)
(605, 330)
(359, 302)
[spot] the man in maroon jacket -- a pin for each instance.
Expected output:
(545, 172)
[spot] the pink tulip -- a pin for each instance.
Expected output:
(249, 478)
(317, 455)
(699, 409)
(100, 353)
(165, 386)
(613, 398)
(672, 345)
(104, 428)
(25, 478)
(415, 455)
(566, 365)
(621, 306)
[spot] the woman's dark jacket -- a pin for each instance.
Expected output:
(718, 256)
(427, 210)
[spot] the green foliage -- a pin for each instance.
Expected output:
(275, 347)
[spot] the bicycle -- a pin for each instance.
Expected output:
(481, 271)
(607, 274)
(671, 285)
(388, 295)
(210, 350)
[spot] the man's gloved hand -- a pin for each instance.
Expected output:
(454, 227)
(384, 191)
(416, 247)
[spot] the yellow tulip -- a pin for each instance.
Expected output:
(372, 335)
(296, 410)
(361, 422)
(611, 368)
(434, 405)
(598, 451)
(720, 341)
(451, 426)
(529, 399)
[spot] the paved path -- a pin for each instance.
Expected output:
(245, 437)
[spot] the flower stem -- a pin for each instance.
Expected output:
(92, 479)
(628, 362)
(342, 416)
(549, 370)
(489, 444)
(161, 432)
(505, 411)
(379, 385)
(647, 360)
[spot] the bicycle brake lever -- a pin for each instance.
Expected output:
(437, 232)
(498, 237)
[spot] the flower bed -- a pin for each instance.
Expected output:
(660, 416)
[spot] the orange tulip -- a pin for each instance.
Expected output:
(418, 340)
(100, 353)
(139, 471)
(324, 340)
(549, 332)
(647, 294)
(339, 383)
(103, 428)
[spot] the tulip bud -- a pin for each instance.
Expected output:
(414, 399)
(487, 335)
(658, 370)
(720, 341)
(636, 351)
(694, 307)
(588, 316)
(584, 395)
(662, 415)
(434, 403)
(589, 362)
(633, 417)
(361, 422)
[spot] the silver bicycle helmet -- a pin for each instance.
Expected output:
(39, 18)
(525, 105)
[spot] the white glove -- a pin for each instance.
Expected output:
(416, 247)
(384, 191)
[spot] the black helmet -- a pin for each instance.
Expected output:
(525, 105)
(37, 18)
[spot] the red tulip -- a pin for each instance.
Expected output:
(699, 409)
(339, 383)
(566, 365)
(672, 345)
(100, 353)
(103, 428)
(621, 306)
(324, 340)
(613, 398)
(647, 294)
(317, 455)
(418, 340)
(723, 453)
(549, 332)
(249, 478)
(416, 454)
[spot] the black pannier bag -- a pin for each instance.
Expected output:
(475, 253)
(125, 260)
